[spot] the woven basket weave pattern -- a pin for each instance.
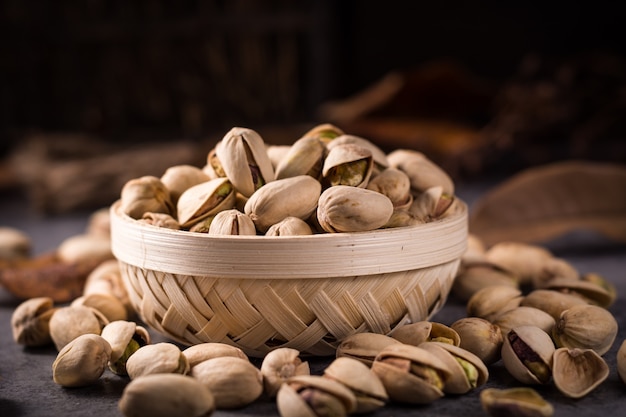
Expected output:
(309, 309)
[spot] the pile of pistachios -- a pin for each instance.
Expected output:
(325, 182)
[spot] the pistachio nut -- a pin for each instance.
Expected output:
(475, 276)
(157, 358)
(524, 260)
(608, 287)
(84, 248)
(110, 306)
(367, 388)
(209, 350)
(314, 396)
(279, 365)
(147, 193)
(14, 244)
(577, 372)
(527, 354)
(243, 157)
(304, 157)
(494, 300)
(290, 226)
(276, 153)
(205, 199)
(423, 172)
(467, 371)
(395, 184)
(30, 321)
(524, 316)
(552, 302)
(586, 327)
(160, 220)
(82, 361)
(232, 222)
(234, 382)
(379, 156)
(343, 208)
(411, 374)
(288, 197)
(125, 338)
(621, 362)
(515, 402)
(554, 268)
(203, 225)
(475, 251)
(425, 331)
(481, 337)
(106, 278)
(179, 178)
(166, 395)
(349, 165)
(402, 218)
(69, 322)
(364, 346)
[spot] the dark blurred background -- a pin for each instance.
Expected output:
(481, 86)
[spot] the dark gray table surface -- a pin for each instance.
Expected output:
(27, 389)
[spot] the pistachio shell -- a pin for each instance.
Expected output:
(69, 322)
(160, 220)
(527, 354)
(82, 361)
(524, 260)
(364, 346)
(234, 382)
(350, 209)
(481, 337)
(554, 268)
(515, 402)
(425, 331)
(368, 389)
(491, 301)
(290, 226)
(288, 197)
(602, 282)
(577, 372)
(379, 156)
(232, 222)
(158, 358)
(166, 395)
(395, 184)
(276, 153)
(524, 316)
(591, 292)
(147, 193)
(125, 338)
(550, 301)
(243, 156)
(30, 321)
(586, 327)
(209, 350)
(84, 248)
(106, 278)
(279, 365)
(431, 204)
(326, 132)
(205, 199)
(348, 164)
(314, 396)
(110, 306)
(179, 178)
(473, 277)
(305, 157)
(422, 171)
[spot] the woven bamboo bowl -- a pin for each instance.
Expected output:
(305, 292)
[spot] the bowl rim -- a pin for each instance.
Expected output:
(323, 255)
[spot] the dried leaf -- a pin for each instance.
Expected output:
(543, 203)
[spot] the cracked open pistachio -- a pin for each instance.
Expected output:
(379, 156)
(205, 199)
(423, 172)
(234, 382)
(515, 402)
(158, 358)
(209, 350)
(481, 337)
(82, 361)
(467, 371)
(577, 372)
(290, 226)
(69, 322)
(30, 321)
(411, 374)
(524, 316)
(550, 301)
(621, 362)
(368, 390)
(527, 354)
(147, 193)
(326, 132)
(279, 199)
(125, 338)
(166, 395)
(314, 396)
(110, 306)
(586, 327)
(279, 365)
(343, 208)
(232, 222)
(349, 165)
(244, 160)
(431, 204)
(425, 331)
(179, 178)
(395, 184)
(364, 346)
(304, 157)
